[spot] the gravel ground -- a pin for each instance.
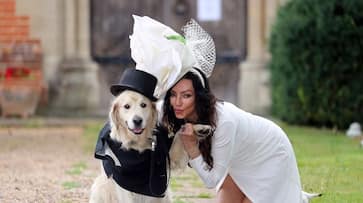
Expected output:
(50, 165)
(44, 165)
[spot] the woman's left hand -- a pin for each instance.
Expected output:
(190, 141)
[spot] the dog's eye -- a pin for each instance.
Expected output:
(126, 106)
(143, 105)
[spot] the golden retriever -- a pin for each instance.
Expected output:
(132, 119)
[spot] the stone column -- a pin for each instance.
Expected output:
(254, 79)
(79, 84)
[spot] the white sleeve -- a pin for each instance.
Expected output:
(222, 148)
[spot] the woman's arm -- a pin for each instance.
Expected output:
(222, 148)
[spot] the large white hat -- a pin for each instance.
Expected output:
(159, 50)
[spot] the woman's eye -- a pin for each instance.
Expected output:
(187, 95)
(143, 105)
(126, 106)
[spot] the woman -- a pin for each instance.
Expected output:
(247, 159)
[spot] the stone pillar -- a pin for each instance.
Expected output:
(271, 11)
(254, 79)
(79, 84)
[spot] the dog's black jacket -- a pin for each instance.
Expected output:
(144, 173)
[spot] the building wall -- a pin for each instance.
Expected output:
(111, 25)
(254, 83)
(46, 23)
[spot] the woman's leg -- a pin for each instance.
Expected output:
(229, 192)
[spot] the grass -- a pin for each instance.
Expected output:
(77, 168)
(90, 136)
(328, 161)
(70, 185)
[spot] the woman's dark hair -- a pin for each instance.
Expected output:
(205, 108)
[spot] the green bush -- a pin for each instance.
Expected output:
(317, 62)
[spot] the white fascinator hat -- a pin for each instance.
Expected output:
(159, 50)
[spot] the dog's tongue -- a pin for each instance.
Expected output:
(137, 130)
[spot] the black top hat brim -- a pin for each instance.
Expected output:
(117, 89)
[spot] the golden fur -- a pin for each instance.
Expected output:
(126, 109)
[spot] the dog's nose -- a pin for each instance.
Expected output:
(137, 120)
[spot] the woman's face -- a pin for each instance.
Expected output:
(182, 99)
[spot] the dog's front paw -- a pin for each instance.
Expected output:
(202, 131)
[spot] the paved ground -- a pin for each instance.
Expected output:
(49, 164)
(44, 165)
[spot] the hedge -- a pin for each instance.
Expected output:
(317, 62)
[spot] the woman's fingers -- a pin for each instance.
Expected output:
(187, 136)
(187, 129)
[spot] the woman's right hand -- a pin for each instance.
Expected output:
(189, 140)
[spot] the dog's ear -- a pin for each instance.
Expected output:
(114, 115)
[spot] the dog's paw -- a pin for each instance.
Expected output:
(202, 131)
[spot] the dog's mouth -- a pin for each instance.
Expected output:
(137, 131)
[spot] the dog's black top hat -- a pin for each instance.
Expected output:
(136, 80)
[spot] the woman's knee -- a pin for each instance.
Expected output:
(229, 184)
(230, 192)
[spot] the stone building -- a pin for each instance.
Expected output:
(85, 46)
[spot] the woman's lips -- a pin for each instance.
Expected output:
(178, 111)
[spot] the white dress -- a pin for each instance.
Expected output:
(256, 153)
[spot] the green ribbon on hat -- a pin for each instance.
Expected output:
(177, 38)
